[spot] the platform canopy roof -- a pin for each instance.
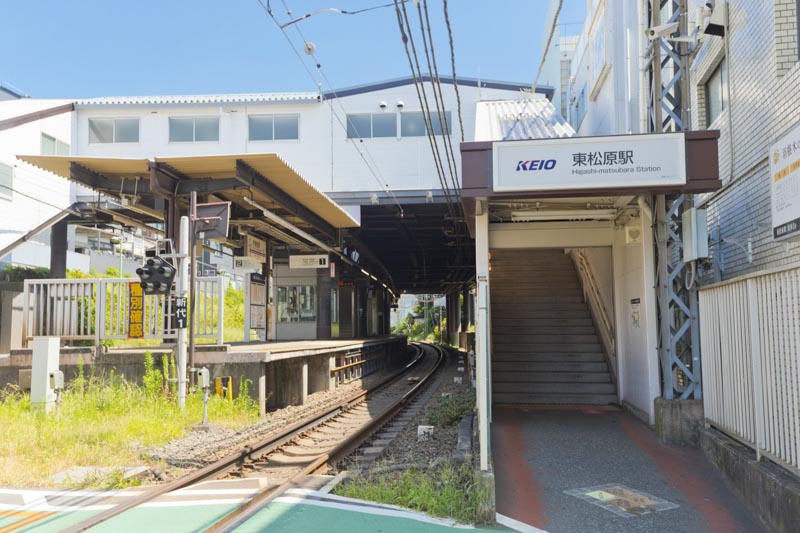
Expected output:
(260, 175)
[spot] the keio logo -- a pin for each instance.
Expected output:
(536, 164)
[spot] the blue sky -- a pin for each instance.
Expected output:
(85, 48)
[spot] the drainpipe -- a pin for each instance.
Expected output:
(643, 205)
(644, 82)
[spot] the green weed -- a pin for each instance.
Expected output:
(449, 410)
(448, 491)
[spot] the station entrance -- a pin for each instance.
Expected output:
(546, 347)
(567, 306)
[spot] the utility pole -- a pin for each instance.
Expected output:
(184, 262)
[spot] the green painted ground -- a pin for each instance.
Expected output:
(277, 517)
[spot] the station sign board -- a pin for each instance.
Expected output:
(246, 264)
(784, 166)
(308, 261)
(255, 248)
(590, 163)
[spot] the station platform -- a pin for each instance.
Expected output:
(603, 470)
(284, 373)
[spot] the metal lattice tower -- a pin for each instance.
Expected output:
(668, 99)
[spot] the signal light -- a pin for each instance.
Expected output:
(156, 276)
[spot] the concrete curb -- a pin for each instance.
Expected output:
(772, 493)
(464, 445)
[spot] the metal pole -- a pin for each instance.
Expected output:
(192, 273)
(183, 275)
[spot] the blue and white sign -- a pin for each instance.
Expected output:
(592, 163)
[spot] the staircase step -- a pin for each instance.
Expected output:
(521, 338)
(515, 347)
(547, 312)
(523, 307)
(526, 322)
(566, 378)
(515, 298)
(558, 388)
(545, 366)
(514, 293)
(555, 399)
(504, 329)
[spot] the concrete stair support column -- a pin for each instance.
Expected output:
(545, 349)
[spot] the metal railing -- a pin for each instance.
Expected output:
(591, 293)
(100, 309)
(750, 339)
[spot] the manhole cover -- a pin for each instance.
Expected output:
(622, 500)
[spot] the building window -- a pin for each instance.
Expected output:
(297, 304)
(113, 130)
(359, 126)
(412, 124)
(193, 129)
(52, 146)
(716, 93)
(6, 181)
(273, 127)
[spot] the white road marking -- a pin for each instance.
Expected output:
(516, 525)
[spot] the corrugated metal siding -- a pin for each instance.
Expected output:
(532, 118)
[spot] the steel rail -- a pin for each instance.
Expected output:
(246, 511)
(254, 450)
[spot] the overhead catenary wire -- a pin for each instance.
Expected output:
(438, 99)
(334, 10)
(538, 71)
(453, 66)
(373, 171)
(418, 80)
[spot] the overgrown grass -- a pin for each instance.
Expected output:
(102, 421)
(449, 410)
(448, 491)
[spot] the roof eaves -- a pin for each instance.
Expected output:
(468, 82)
(194, 100)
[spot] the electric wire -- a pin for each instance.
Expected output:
(380, 179)
(442, 113)
(453, 66)
(267, 8)
(335, 10)
(423, 98)
(15, 191)
(538, 72)
(439, 100)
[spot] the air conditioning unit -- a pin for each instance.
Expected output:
(633, 234)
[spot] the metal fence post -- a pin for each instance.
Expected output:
(755, 359)
(220, 310)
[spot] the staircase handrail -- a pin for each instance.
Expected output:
(592, 295)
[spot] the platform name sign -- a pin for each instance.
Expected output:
(784, 165)
(135, 310)
(246, 264)
(308, 261)
(593, 164)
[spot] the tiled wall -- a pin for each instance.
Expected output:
(764, 78)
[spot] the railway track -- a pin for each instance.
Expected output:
(303, 449)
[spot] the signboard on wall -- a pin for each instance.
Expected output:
(255, 248)
(597, 163)
(598, 66)
(255, 306)
(308, 261)
(784, 166)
